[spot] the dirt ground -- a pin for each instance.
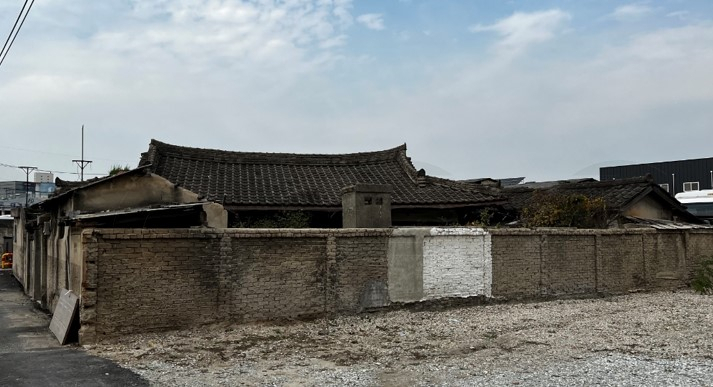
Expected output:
(502, 344)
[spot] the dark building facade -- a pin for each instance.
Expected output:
(673, 176)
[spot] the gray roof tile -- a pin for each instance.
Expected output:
(314, 180)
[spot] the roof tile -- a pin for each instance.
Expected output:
(282, 179)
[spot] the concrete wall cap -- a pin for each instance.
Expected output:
(456, 231)
(369, 188)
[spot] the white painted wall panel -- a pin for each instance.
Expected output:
(457, 262)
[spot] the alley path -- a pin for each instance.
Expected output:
(31, 356)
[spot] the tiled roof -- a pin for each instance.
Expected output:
(306, 180)
(617, 194)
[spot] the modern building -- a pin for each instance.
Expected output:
(44, 177)
(6, 233)
(18, 193)
(673, 176)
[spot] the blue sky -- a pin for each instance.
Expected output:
(542, 89)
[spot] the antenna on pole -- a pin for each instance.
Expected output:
(82, 163)
(27, 171)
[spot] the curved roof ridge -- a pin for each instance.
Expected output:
(226, 156)
(406, 164)
(462, 186)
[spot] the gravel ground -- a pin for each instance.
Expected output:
(647, 339)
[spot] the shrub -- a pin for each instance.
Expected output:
(116, 169)
(554, 209)
(703, 277)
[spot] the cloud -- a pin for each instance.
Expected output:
(521, 30)
(204, 34)
(280, 77)
(152, 69)
(681, 15)
(559, 117)
(630, 12)
(372, 21)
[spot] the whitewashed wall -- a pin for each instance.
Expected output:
(457, 262)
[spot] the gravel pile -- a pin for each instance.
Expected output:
(640, 339)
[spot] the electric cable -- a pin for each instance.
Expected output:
(17, 32)
(19, 15)
(52, 171)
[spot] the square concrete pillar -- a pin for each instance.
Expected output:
(366, 206)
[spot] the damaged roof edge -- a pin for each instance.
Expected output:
(40, 205)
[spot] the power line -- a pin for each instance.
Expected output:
(18, 30)
(13, 28)
(59, 154)
(48, 170)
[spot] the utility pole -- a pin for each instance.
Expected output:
(27, 171)
(82, 163)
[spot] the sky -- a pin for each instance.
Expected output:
(490, 88)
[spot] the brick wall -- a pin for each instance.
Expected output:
(529, 263)
(568, 264)
(699, 246)
(621, 262)
(359, 283)
(144, 280)
(276, 277)
(517, 264)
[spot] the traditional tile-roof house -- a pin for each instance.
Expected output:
(249, 184)
(636, 197)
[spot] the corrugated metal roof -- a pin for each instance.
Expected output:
(661, 224)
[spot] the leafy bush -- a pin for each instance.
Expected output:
(703, 277)
(554, 209)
